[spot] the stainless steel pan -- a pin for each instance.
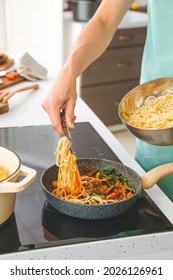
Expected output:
(85, 211)
(135, 98)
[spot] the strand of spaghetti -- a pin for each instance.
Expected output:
(68, 173)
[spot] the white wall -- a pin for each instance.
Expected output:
(2, 25)
(35, 26)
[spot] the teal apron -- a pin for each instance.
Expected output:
(157, 62)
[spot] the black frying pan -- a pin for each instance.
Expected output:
(86, 211)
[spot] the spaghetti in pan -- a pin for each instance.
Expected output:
(87, 185)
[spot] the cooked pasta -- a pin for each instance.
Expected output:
(89, 186)
(155, 113)
(4, 172)
(69, 182)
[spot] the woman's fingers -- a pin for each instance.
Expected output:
(54, 115)
(53, 108)
(69, 114)
(62, 96)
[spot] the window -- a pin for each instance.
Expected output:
(33, 26)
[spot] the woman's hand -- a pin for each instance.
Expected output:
(62, 95)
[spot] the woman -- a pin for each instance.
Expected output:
(157, 62)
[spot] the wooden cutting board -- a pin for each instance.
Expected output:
(7, 83)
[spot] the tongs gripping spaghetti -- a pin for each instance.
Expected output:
(66, 130)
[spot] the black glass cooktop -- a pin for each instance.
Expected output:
(35, 224)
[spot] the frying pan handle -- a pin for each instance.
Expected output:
(155, 174)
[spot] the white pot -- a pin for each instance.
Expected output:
(10, 186)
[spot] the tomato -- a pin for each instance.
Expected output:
(129, 194)
(15, 74)
(11, 75)
(104, 189)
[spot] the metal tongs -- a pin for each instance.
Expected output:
(66, 130)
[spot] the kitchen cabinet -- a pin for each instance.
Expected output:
(117, 71)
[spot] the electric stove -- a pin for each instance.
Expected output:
(36, 224)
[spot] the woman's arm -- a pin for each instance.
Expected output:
(90, 44)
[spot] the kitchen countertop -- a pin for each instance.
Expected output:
(25, 110)
(132, 19)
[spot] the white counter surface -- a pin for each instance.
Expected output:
(132, 19)
(25, 110)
